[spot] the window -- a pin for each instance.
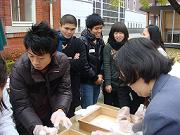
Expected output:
(23, 11)
(176, 37)
(134, 5)
(79, 25)
(127, 4)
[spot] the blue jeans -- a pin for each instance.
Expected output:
(89, 94)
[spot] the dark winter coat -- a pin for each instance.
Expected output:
(35, 96)
(94, 53)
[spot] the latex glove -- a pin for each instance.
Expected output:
(103, 133)
(59, 117)
(124, 114)
(99, 133)
(51, 130)
(39, 130)
(141, 111)
(137, 127)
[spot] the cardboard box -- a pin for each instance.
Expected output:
(97, 118)
(70, 132)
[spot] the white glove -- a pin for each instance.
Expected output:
(39, 130)
(124, 114)
(51, 130)
(100, 133)
(59, 117)
(141, 111)
(44, 130)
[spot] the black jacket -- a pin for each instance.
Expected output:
(74, 46)
(35, 96)
(94, 52)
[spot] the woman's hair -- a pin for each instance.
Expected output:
(138, 58)
(3, 79)
(118, 27)
(155, 36)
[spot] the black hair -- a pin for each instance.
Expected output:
(155, 36)
(3, 79)
(94, 20)
(68, 18)
(138, 58)
(118, 27)
(41, 39)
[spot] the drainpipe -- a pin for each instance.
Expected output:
(160, 21)
(51, 13)
(172, 26)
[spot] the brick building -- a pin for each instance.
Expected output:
(19, 15)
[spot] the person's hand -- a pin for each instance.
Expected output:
(108, 88)
(59, 117)
(100, 133)
(39, 130)
(124, 114)
(44, 130)
(51, 130)
(141, 111)
(139, 115)
(76, 56)
(100, 80)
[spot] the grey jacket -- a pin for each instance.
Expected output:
(7, 126)
(163, 113)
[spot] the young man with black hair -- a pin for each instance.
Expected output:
(75, 49)
(92, 37)
(7, 126)
(40, 84)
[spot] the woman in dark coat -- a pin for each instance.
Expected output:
(115, 92)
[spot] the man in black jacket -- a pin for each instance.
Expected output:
(92, 37)
(74, 48)
(40, 84)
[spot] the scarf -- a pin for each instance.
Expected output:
(116, 45)
(86, 33)
(62, 41)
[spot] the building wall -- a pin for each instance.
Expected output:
(15, 32)
(79, 8)
(109, 13)
(135, 19)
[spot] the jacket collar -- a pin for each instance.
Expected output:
(160, 82)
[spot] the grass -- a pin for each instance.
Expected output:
(174, 53)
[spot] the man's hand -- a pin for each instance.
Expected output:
(44, 130)
(59, 117)
(100, 80)
(76, 56)
(39, 130)
(108, 88)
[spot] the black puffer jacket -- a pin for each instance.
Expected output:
(94, 56)
(35, 96)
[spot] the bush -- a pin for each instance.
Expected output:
(9, 64)
(11, 54)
